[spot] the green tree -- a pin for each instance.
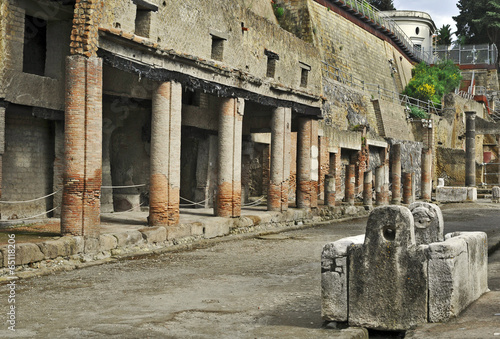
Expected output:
(479, 21)
(443, 36)
(382, 5)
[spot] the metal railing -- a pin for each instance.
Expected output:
(388, 26)
(468, 54)
(337, 74)
(490, 178)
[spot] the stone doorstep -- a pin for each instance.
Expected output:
(149, 238)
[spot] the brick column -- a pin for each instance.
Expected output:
(307, 163)
(82, 149)
(426, 181)
(330, 190)
(324, 166)
(381, 186)
(350, 182)
(229, 160)
(277, 194)
(165, 174)
(407, 188)
(470, 149)
(396, 174)
(367, 189)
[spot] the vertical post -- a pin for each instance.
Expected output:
(3, 107)
(307, 163)
(330, 182)
(229, 161)
(82, 150)
(396, 174)
(381, 189)
(470, 149)
(165, 175)
(426, 180)
(350, 181)
(277, 196)
(367, 189)
(407, 188)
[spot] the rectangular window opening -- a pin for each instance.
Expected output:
(143, 22)
(217, 48)
(271, 63)
(303, 77)
(191, 97)
(304, 74)
(35, 45)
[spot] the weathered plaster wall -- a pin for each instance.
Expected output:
(345, 45)
(18, 87)
(243, 49)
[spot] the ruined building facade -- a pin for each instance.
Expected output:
(113, 105)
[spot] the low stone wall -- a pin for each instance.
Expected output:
(456, 194)
(69, 250)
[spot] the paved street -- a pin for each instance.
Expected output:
(266, 287)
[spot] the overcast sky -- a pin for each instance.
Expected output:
(441, 11)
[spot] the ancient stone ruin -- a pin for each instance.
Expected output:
(402, 272)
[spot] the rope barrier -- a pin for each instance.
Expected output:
(191, 203)
(32, 200)
(254, 203)
(128, 186)
(129, 210)
(35, 216)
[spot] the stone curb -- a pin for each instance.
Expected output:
(67, 252)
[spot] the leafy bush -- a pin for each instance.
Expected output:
(278, 11)
(431, 83)
(418, 113)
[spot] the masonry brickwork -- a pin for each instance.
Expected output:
(83, 148)
(165, 155)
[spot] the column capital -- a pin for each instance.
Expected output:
(470, 114)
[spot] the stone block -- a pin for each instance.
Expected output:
(458, 273)
(242, 222)
(334, 305)
(456, 194)
(128, 238)
(107, 242)
(388, 273)
(477, 250)
(217, 227)
(429, 224)
(447, 275)
(178, 231)
(50, 249)
(27, 253)
(495, 194)
(154, 235)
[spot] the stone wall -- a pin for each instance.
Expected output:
(45, 90)
(391, 120)
(27, 163)
(244, 35)
(343, 43)
(411, 162)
